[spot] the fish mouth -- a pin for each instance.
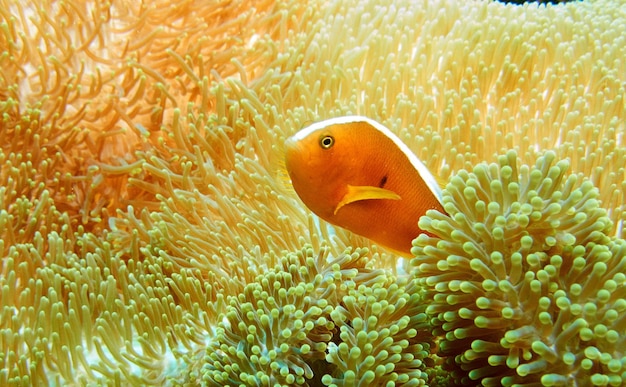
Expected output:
(291, 154)
(291, 144)
(298, 159)
(294, 151)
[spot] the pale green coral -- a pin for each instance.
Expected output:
(526, 284)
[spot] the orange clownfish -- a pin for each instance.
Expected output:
(355, 173)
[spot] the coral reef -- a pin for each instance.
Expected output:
(146, 227)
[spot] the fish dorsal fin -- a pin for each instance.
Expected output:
(365, 192)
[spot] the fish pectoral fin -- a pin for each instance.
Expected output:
(365, 192)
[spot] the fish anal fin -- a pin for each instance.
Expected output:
(365, 192)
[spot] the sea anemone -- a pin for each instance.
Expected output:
(527, 286)
(384, 337)
(313, 312)
(141, 191)
(277, 326)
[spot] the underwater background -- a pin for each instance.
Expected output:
(148, 235)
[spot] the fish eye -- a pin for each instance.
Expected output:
(326, 141)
